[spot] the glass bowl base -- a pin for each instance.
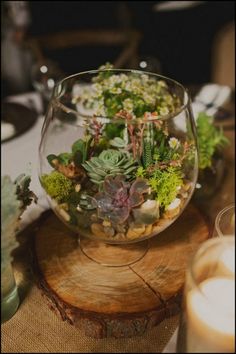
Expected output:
(113, 255)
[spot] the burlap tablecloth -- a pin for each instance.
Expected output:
(36, 329)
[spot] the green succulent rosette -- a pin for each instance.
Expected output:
(110, 163)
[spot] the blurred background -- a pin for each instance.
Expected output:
(190, 41)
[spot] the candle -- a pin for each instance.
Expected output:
(211, 316)
(226, 264)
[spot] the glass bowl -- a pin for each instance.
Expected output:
(118, 154)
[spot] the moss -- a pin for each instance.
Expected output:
(164, 183)
(57, 186)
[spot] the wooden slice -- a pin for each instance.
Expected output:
(116, 301)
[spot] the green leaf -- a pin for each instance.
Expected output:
(78, 158)
(50, 158)
(78, 145)
(210, 139)
(113, 130)
(65, 158)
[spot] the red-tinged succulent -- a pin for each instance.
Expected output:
(118, 198)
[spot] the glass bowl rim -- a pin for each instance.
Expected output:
(55, 99)
(219, 216)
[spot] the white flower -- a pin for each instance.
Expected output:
(144, 78)
(174, 143)
(148, 98)
(98, 89)
(126, 85)
(112, 81)
(115, 90)
(164, 111)
(100, 111)
(162, 83)
(128, 105)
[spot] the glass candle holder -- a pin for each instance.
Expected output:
(208, 318)
(9, 293)
(225, 222)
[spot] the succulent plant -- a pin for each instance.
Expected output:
(15, 197)
(119, 197)
(110, 163)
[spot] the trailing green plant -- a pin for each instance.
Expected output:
(110, 163)
(210, 139)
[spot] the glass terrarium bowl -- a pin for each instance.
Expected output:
(118, 154)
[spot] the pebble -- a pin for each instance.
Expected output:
(77, 187)
(120, 236)
(64, 214)
(109, 231)
(106, 223)
(120, 228)
(148, 230)
(98, 230)
(94, 218)
(135, 231)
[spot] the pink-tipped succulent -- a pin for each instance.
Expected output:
(118, 198)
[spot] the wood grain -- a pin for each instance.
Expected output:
(116, 301)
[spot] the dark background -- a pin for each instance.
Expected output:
(176, 43)
(180, 40)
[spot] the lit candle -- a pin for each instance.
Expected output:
(211, 316)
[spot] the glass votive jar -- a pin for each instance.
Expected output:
(207, 322)
(225, 222)
(9, 292)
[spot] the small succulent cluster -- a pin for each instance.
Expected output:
(119, 197)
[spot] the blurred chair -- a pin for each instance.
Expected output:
(223, 57)
(128, 40)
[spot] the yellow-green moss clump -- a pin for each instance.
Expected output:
(57, 186)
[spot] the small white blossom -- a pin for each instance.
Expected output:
(144, 78)
(112, 81)
(98, 89)
(174, 143)
(164, 111)
(126, 85)
(100, 111)
(116, 90)
(123, 78)
(128, 105)
(162, 83)
(148, 98)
